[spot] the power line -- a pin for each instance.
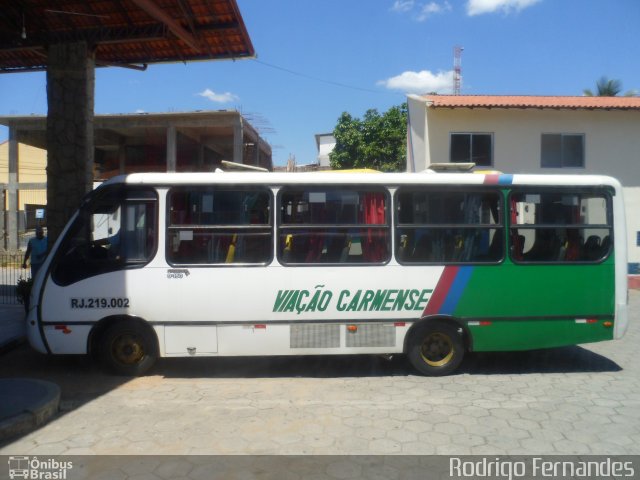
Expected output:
(322, 80)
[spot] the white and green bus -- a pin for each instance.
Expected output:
(427, 265)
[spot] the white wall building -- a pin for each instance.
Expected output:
(532, 134)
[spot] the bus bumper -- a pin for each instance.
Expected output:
(622, 320)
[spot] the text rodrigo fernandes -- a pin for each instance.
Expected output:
(539, 467)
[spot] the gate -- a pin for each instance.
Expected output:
(10, 272)
(19, 217)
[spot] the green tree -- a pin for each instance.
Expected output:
(376, 141)
(606, 87)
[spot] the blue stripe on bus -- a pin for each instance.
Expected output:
(457, 289)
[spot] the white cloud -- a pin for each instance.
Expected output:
(420, 82)
(420, 11)
(479, 7)
(218, 97)
(432, 8)
(403, 5)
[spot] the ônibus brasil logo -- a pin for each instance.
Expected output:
(33, 468)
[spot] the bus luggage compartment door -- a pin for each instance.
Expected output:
(190, 340)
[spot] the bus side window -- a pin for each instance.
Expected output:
(559, 226)
(337, 248)
(436, 225)
(223, 225)
(336, 225)
(423, 249)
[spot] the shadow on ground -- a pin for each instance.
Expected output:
(560, 360)
(573, 359)
(80, 375)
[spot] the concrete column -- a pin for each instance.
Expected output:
(256, 147)
(12, 192)
(238, 142)
(200, 160)
(70, 145)
(172, 151)
(122, 156)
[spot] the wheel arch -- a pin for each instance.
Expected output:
(448, 319)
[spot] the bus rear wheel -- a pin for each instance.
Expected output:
(436, 349)
(128, 348)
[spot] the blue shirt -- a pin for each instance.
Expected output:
(38, 250)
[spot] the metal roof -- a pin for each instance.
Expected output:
(524, 101)
(125, 32)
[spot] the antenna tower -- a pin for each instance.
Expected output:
(457, 69)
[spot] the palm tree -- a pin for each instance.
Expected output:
(606, 87)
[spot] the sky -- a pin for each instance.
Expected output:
(317, 59)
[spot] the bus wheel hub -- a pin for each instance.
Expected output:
(437, 349)
(128, 350)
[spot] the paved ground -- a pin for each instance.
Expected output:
(12, 326)
(578, 400)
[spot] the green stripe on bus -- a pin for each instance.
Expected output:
(530, 334)
(545, 291)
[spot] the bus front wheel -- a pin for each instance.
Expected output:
(128, 348)
(436, 348)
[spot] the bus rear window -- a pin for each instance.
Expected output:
(560, 226)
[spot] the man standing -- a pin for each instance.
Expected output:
(37, 249)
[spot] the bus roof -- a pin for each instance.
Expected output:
(390, 179)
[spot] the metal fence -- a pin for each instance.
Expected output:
(10, 272)
(31, 212)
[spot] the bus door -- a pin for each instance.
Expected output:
(98, 269)
(219, 239)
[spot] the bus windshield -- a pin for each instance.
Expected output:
(114, 230)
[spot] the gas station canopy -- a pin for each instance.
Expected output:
(125, 33)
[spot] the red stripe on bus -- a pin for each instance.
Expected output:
(442, 289)
(492, 179)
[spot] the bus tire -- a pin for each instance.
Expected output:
(436, 348)
(128, 348)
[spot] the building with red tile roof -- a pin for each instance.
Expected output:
(530, 101)
(533, 134)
